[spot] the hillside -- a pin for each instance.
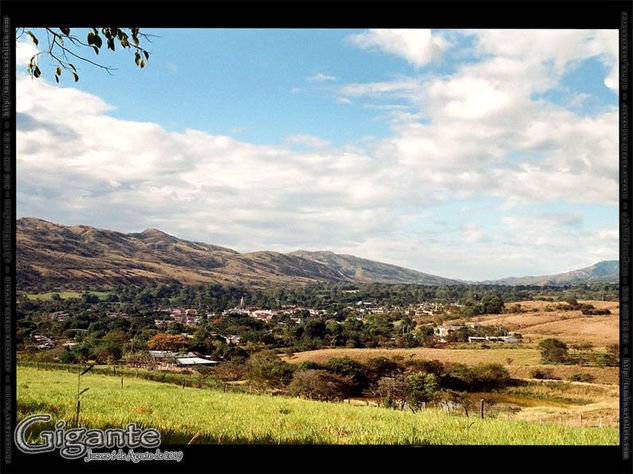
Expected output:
(602, 272)
(86, 257)
(239, 418)
(368, 271)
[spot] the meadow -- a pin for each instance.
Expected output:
(235, 418)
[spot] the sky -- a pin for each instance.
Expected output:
(470, 154)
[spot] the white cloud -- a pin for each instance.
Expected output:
(307, 140)
(418, 46)
(24, 51)
(321, 77)
(454, 137)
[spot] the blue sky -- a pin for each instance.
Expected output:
(471, 154)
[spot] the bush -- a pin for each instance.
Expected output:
(354, 371)
(553, 351)
(319, 385)
(265, 369)
(582, 378)
(479, 378)
(421, 388)
(542, 374)
(379, 367)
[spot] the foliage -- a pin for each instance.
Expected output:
(581, 377)
(65, 46)
(167, 342)
(553, 351)
(266, 370)
(319, 385)
(421, 388)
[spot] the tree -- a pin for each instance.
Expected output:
(491, 304)
(167, 342)
(319, 385)
(553, 351)
(421, 388)
(265, 369)
(64, 47)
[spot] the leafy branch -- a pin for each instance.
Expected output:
(64, 46)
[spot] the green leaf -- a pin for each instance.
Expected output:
(111, 43)
(142, 64)
(137, 57)
(94, 30)
(58, 71)
(97, 40)
(36, 72)
(124, 42)
(75, 76)
(135, 39)
(84, 391)
(33, 38)
(66, 31)
(72, 66)
(57, 79)
(96, 49)
(146, 54)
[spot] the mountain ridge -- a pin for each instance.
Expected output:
(85, 256)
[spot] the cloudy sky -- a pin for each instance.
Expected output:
(472, 154)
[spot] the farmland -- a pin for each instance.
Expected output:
(235, 418)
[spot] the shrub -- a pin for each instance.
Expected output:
(354, 371)
(265, 369)
(421, 388)
(393, 391)
(379, 367)
(582, 378)
(542, 374)
(319, 385)
(553, 351)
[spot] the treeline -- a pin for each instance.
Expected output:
(397, 383)
(215, 297)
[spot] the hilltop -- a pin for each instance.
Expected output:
(83, 257)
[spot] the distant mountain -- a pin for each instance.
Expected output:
(83, 257)
(368, 271)
(607, 271)
(80, 256)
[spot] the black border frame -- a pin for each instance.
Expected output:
(322, 14)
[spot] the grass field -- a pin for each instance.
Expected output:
(233, 418)
(571, 327)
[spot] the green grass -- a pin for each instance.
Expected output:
(65, 294)
(235, 418)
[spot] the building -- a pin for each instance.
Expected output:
(194, 361)
(443, 331)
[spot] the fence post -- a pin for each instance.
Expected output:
(581, 419)
(481, 408)
(121, 381)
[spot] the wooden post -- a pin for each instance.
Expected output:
(581, 419)
(121, 381)
(481, 408)
(114, 369)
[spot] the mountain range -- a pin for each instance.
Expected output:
(85, 257)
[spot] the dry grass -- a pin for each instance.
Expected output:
(571, 327)
(521, 356)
